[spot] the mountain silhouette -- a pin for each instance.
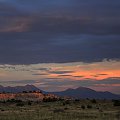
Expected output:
(18, 89)
(83, 92)
(78, 93)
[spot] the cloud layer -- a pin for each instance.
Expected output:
(98, 75)
(58, 31)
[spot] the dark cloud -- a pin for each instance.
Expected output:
(79, 76)
(70, 17)
(36, 49)
(101, 74)
(39, 74)
(60, 72)
(17, 82)
(59, 31)
(64, 75)
(109, 81)
(42, 69)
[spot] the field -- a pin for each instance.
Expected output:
(60, 110)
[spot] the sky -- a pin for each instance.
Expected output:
(60, 44)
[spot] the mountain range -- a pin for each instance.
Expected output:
(83, 93)
(18, 89)
(78, 93)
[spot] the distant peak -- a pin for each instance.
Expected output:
(84, 88)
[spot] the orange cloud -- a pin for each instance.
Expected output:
(72, 71)
(97, 70)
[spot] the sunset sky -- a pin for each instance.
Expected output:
(60, 44)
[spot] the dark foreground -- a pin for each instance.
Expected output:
(60, 110)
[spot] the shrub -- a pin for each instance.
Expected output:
(89, 106)
(49, 99)
(2, 110)
(66, 108)
(77, 100)
(61, 99)
(63, 103)
(11, 100)
(25, 92)
(83, 107)
(20, 104)
(116, 102)
(67, 102)
(29, 103)
(94, 101)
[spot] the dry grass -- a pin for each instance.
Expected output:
(60, 110)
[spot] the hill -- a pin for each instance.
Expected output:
(83, 92)
(78, 93)
(18, 89)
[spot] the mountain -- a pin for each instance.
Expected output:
(78, 93)
(18, 89)
(82, 93)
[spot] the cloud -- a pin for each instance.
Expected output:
(70, 17)
(26, 48)
(73, 70)
(39, 74)
(79, 33)
(60, 72)
(16, 83)
(58, 32)
(12, 19)
(101, 74)
(65, 75)
(109, 81)
(79, 76)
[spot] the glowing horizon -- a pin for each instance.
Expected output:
(75, 71)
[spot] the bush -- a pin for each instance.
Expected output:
(77, 100)
(89, 106)
(20, 104)
(25, 92)
(50, 99)
(116, 102)
(61, 99)
(13, 101)
(83, 107)
(94, 101)
(63, 103)
(29, 103)
(67, 102)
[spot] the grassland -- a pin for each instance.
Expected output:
(60, 110)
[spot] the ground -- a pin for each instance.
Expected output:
(60, 110)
